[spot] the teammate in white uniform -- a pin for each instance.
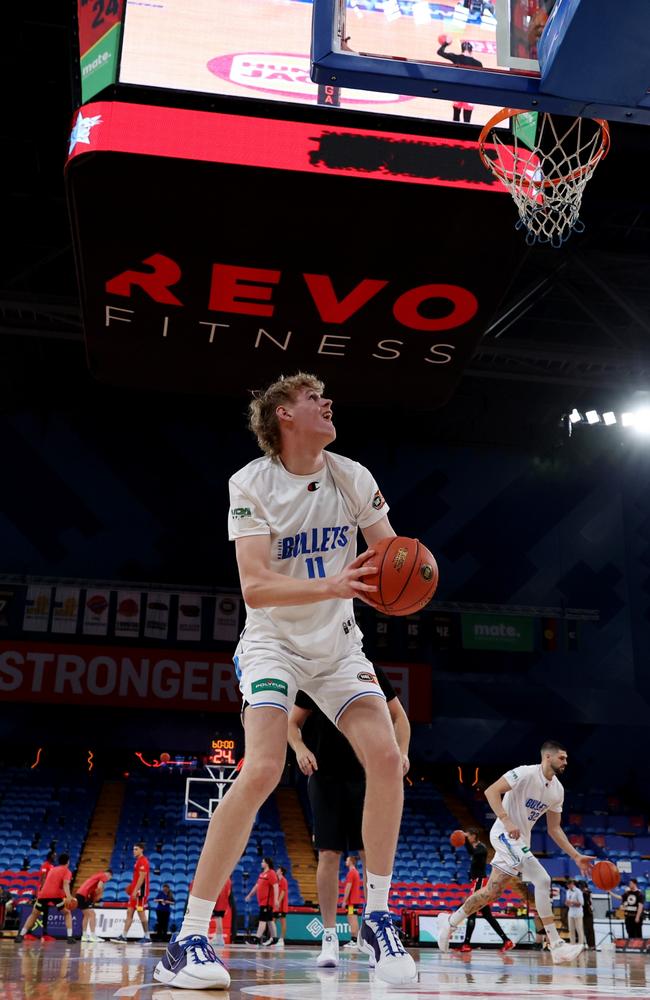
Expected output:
(518, 799)
(294, 516)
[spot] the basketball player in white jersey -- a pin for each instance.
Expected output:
(294, 516)
(518, 799)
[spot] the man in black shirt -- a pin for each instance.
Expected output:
(633, 906)
(336, 791)
(478, 853)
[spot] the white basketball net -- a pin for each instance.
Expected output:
(545, 176)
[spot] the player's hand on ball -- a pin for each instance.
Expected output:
(350, 583)
(585, 864)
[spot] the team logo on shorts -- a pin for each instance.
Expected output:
(270, 684)
(365, 675)
(378, 501)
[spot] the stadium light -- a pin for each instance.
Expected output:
(642, 421)
(575, 416)
(609, 418)
(592, 417)
(627, 419)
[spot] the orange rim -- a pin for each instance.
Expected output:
(508, 177)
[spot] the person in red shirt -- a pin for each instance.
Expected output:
(138, 895)
(55, 891)
(352, 899)
(46, 867)
(266, 888)
(220, 907)
(88, 895)
(283, 896)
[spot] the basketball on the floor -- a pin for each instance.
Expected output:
(605, 875)
(71, 904)
(406, 578)
(457, 838)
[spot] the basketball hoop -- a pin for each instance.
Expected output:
(545, 162)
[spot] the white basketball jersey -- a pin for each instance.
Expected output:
(312, 521)
(530, 796)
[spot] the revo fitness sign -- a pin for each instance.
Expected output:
(217, 251)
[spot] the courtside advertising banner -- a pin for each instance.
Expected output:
(115, 675)
(188, 679)
(499, 632)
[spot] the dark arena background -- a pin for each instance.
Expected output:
(187, 216)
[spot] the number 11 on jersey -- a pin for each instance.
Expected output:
(315, 570)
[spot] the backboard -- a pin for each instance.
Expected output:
(580, 58)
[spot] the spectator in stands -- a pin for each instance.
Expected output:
(163, 902)
(266, 888)
(352, 899)
(283, 902)
(633, 907)
(55, 891)
(138, 895)
(588, 919)
(88, 895)
(336, 790)
(220, 907)
(300, 632)
(575, 906)
(477, 873)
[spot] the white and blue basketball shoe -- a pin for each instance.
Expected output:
(192, 964)
(380, 941)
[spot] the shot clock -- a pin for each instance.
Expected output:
(223, 752)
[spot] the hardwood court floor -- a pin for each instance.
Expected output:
(57, 971)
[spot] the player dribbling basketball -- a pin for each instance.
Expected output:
(294, 516)
(518, 799)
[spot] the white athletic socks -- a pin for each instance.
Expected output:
(197, 917)
(552, 933)
(378, 889)
(457, 917)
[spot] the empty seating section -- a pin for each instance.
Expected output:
(40, 810)
(153, 813)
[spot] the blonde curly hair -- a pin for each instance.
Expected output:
(262, 416)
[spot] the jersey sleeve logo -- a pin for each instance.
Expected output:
(378, 500)
(241, 512)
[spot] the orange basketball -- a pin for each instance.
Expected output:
(605, 875)
(165, 757)
(71, 904)
(406, 578)
(457, 838)
(444, 40)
